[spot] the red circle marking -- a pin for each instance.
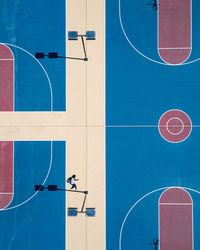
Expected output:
(175, 126)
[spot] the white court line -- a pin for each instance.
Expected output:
(175, 126)
(177, 48)
(177, 204)
(6, 59)
(150, 126)
(125, 218)
(6, 193)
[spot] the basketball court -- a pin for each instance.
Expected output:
(152, 125)
(107, 91)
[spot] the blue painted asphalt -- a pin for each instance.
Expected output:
(138, 92)
(36, 26)
(39, 223)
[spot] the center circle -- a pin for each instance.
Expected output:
(175, 126)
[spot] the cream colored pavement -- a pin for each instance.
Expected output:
(82, 126)
(86, 151)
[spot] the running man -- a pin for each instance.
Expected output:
(71, 180)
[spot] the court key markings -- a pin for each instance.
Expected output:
(7, 45)
(7, 147)
(175, 211)
(174, 32)
(6, 79)
(6, 173)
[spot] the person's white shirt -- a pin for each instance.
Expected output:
(72, 181)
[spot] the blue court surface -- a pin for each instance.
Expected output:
(35, 220)
(36, 26)
(138, 92)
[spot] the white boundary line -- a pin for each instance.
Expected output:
(7, 193)
(175, 204)
(124, 32)
(149, 126)
(144, 196)
(7, 59)
(138, 201)
(177, 48)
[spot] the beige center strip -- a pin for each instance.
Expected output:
(86, 106)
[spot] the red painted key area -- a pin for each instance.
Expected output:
(174, 30)
(175, 220)
(6, 79)
(6, 173)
